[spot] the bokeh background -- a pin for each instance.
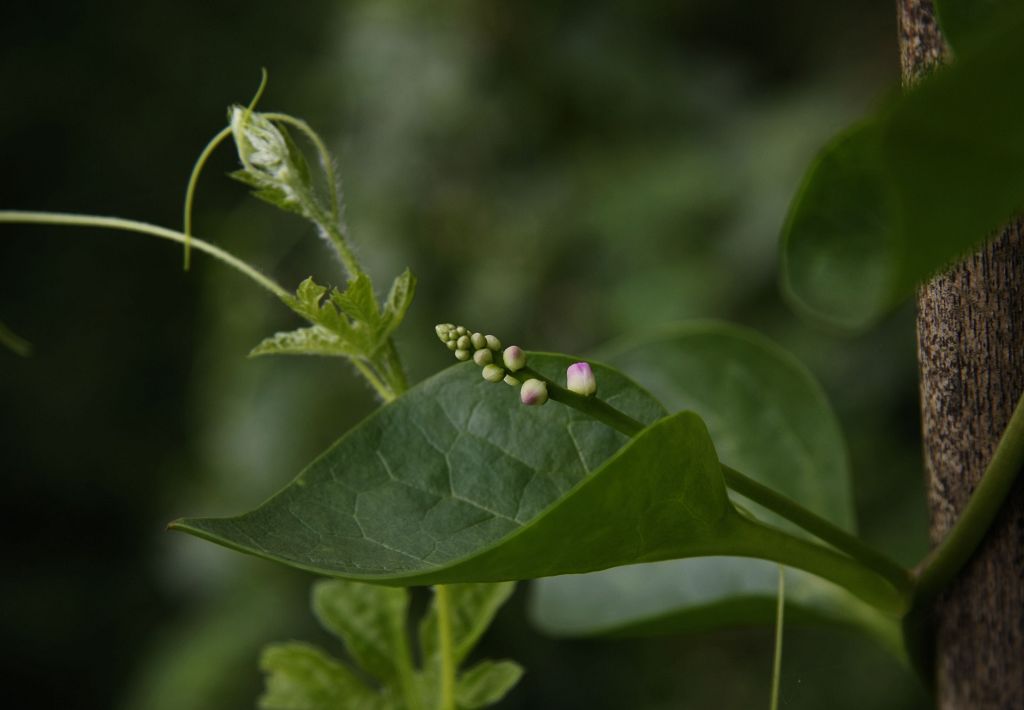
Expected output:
(561, 172)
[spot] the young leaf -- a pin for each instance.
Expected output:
(399, 299)
(486, 683)
(315, 340)
(770, 419)
(302, 677)
(473, 609)
(370, 620)
(358, 301)
(912, 189)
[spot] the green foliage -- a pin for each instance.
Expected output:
(348, 323)
(454, 482)
(371, 622)
(909, 190)
(770, 419)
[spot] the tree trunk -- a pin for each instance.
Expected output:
(970, 331)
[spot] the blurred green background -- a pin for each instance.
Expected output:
(559, 172)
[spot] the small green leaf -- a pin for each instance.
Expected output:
(902, 195)
(302, 677)
(486, 683)
(473, 609)
(315, 340)
(309, 295)
(399, 299)
(370, 620)
(357, 301)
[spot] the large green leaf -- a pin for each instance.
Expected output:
(769, 419)
(457, 482)
(908, 191)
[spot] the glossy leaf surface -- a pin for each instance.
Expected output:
(905, 193)
(769, 419)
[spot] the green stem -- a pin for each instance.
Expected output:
(755, 539)
(129, 225)
(817, 526)
(943, 563)
(745, 486)
(445, 647)
(190, 191)
(780, 607)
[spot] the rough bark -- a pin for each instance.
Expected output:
(970, 329)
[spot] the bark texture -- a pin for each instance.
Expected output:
(970, 330)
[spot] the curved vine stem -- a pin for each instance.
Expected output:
(943, 563)
(190, 191)
(152, 230)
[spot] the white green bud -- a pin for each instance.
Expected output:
(493, 343)
(493, 373)
(464, 342)
(580, 379)
(461, 330)
(483, 357)
(533, 393)
(462, 354)
(478, 340)
(451, 345)
(510, 380)
(514, 358)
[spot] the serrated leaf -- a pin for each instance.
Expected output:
(473, 607)
(309, 295)
(370, 620)
(357, 301)
(486, 683)
(770, 419)
(314, 340)
(302, 677)
(902, 195)
(456, 482)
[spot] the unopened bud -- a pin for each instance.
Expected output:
(493, 343)
(478, 340)
(464, 342)
(514, 358)
(493, 373)
(580, 379)
(483, 357)
(462, 354)
(510, 380)
(533, 393)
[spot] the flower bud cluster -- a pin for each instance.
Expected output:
(484, 349)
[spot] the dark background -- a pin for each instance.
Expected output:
(561, 172)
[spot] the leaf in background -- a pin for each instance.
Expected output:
(302, 677)
(486, 683)
(372, 623)
(769, 419)
(473, 609)
(370, 620)
(965, 23)
(902, 195)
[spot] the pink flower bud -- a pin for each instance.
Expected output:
(514, 358)
(580, 379)
(533, 392)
